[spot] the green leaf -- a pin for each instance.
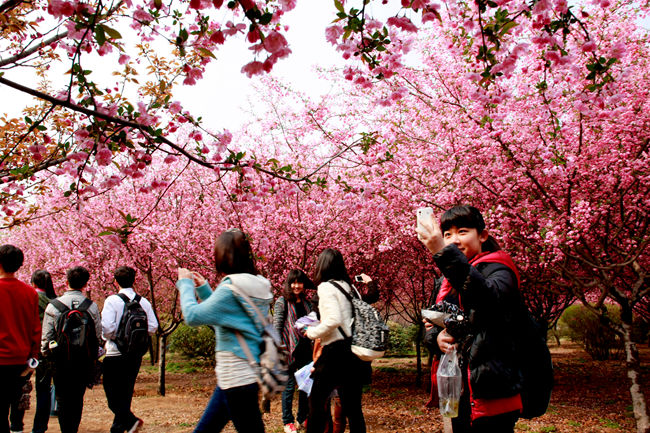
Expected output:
(100, 36)
(339, 6)
(265, 19)
(112, 33)
(105, 233)
(205, 52)
(506, 27)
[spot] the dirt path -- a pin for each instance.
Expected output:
(588, 397)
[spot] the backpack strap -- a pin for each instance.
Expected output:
(85, 305)
(349, 298)
(59, 305)
(127, 300)
(250, 302)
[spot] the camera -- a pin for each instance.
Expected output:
(358, 278)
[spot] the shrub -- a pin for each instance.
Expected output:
(193, 342)
(584, 327)
(402, 339)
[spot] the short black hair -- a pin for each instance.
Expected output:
(462, 216)
(233, 253)
(11, 258)
(43, 280)
(77, 277)
(331, 266)
(125, 276)
(467, 217)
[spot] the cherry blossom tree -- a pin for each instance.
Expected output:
(89, 121)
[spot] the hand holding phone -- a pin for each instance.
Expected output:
(423, 214)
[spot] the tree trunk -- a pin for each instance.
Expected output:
(418, 351)
(633, 373)
(154, 348)
(162, 363)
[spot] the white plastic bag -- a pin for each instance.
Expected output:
(450, 384)
(303, 378)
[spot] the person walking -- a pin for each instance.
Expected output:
(20, 329)
(289, 307)
(42, 281)
(337, 367)
(121, 369)
(74, 368)
(235, 397)
(483, 280)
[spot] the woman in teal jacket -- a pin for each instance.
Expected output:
(236, 396)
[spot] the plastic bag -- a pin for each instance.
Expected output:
(303, 378)
(450, 384)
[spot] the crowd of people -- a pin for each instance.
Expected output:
(65, 348)
(476, 276)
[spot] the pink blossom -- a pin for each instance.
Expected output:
(287, 5)
(332, 34)
(104, 156)
(274, 42)
(123, 59)
(252, 68)
(170, 159)
(217, 37)
(402, 23)
(60, 8)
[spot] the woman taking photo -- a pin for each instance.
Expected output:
(289, 307)
(337, 367)
(236, 396)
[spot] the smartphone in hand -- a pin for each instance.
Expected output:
(358, 279)
(423, 214)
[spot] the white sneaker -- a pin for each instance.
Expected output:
(136, 427)
(290, 428)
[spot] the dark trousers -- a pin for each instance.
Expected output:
(287, 403)
(43, 386)
(11, 384)
(120, 373)
(504, 423)
(239, 405)
(16, 414)
(336, 368)
(70, 389)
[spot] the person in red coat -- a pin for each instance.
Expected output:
(20, 329)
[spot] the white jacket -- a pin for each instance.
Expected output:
(335, 310)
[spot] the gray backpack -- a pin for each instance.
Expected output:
(272, 371)
(369, 332)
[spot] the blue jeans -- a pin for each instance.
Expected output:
(287, 403)
(239, 405)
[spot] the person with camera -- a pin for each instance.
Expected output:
(483, 281)
(235, 397)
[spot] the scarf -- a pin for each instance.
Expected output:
(290, 335)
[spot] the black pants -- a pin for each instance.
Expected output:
(120, 373)
(70, 387)
(504, 423)
(337, 368)
(11, 384)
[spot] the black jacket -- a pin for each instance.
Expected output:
(490, 298)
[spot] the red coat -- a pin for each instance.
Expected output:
(20, 326)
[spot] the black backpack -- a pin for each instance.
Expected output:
(536, 367)
(132, 337)
(76, 337)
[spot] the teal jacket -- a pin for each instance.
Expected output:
(226, 311)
